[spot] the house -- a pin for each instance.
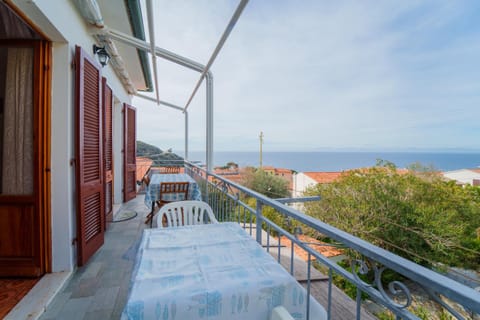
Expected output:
(464, 176)
(303, 180)
(68, 73)
(285, 174)
(67, 129)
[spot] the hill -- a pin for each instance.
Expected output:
(158, 156)
(145, 149)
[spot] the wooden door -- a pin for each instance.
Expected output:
(25, 158)
(89, 163)
(108, 149)
(129, 153)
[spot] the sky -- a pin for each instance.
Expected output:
(321, 75)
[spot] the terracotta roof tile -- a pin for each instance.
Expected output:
(143, 164)
(283, 170)
(324, 177)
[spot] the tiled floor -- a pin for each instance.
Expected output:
(99, 289)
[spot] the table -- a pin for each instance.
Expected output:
(152, 193)
(212, 271)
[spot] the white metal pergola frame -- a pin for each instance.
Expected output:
(107, 35)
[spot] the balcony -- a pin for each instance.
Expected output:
(392, 299)
(100, 289)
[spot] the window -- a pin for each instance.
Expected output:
(16, 120)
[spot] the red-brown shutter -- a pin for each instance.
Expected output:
(130, 161)
(89, 164)
(108, 149)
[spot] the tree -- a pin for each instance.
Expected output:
(232, 165)
(264, 183)
(418, 216)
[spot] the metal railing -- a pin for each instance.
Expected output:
(233, 202)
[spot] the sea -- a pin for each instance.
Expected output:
(339, 161)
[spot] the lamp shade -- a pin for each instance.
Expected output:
(102, 55)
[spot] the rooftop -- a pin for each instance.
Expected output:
(324, 177)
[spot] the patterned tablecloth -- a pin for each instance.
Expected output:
(153, 190)
(212, 271)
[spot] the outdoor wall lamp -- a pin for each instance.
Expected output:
(103, 56)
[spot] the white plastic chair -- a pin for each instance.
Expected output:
(183, 213)
(280, 313)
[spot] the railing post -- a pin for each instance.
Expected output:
(206, 187)
(259, 221)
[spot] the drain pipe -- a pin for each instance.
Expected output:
(186, 135)
(151, 30)
(209, 120)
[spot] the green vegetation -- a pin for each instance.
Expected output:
(264, 183)
(157, 155)
(230, 165)
(145, 149)
(415, 214)
(261, 182)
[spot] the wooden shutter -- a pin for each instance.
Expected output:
(108, 149)
(89, 164)
(130, 162)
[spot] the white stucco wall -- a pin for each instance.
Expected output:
(300, 182)
(61, 23)
(463, 176)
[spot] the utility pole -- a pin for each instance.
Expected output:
(261, 144)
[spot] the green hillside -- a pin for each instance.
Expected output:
(145, 149)
(158, 156)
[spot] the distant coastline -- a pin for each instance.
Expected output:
(344, 160)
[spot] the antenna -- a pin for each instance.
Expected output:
(261, 144)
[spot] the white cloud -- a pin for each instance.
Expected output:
(322, 74)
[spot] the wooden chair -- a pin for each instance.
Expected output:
(169, 169)
(183, 213)
(166, 189)
(146, 180)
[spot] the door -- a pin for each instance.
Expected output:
(108, 149)
(24, 157)
(89, 164)
(129, 153)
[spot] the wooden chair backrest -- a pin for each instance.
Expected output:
(169, 170)
(146, 180)
(174, 187)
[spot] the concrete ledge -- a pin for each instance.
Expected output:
(33, 305)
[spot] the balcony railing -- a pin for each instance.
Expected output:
(229, 202)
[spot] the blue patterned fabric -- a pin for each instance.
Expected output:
(153, 190)
(211, 271)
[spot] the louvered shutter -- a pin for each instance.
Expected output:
(130, 162)
(108, 149)
(89, 163)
